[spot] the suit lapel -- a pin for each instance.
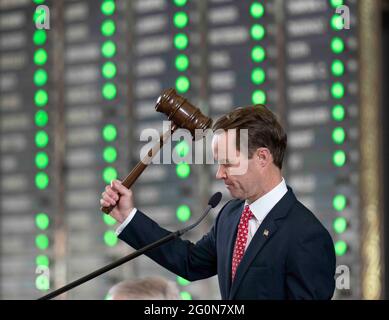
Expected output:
(253, 249)
(235, 217)
(264, 233)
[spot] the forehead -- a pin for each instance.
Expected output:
(224, 144)
(224, 139)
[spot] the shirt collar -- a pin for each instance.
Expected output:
(262, 206)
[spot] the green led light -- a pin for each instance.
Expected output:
(40, 77)
(337, 68)
(108, 7)
(182, 62)
(183, 213)
(340, 225)
(258, 54)
(257, 10)
(109, 132)
(258, 76)
(338, 135)
(340, 248)
(108, 28)
(183, 170)
(39, 1)
(40, 57)
(109, 174)
(182, 281)
(181, 41)
(182, 148)
(337, 22)
(110, 154)
(339, 158)
(42, 260)
(180, 20)
(109, 91)
(41, 139)
(42, 282)
(41, 118)
(339, 202)
(337, 45)
(257, 32)
(185, 295)
(109, 70)
(182, 84)
(336, 3)
(180, 3)
(110, 238)
(259, 97)
(108, 49)
(42, 221)
(41, 98)
(338, 112)
(108, 220)
(337, 90)
(41, 160)
(42, 241)
(41, 180)
(39, 37)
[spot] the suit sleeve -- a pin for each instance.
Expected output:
(311, 266)
(182, 257)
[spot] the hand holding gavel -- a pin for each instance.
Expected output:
(183, 115)
(120, 198)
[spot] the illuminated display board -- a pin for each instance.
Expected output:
(75, 99)
(321, 94)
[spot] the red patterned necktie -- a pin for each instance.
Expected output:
(241, 239)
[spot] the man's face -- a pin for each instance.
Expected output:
(241, 175)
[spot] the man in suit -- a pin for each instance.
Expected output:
(264, 244)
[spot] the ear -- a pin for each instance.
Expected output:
(263, 156)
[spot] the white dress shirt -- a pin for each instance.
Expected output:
(260, 208)
(126, 222)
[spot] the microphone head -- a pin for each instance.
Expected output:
(215, 199)
(182, 113)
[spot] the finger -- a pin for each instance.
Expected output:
(117, 186)
(104, 203)
(111, 193)
(115, 212)
(107, 198)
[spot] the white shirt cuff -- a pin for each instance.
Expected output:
(126, 222)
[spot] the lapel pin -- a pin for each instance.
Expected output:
(266, 232)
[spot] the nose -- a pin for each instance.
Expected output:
(221, 173)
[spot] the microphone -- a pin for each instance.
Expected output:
(215, 199)
(212, 203)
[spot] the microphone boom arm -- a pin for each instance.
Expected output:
(110, 266)
(213, 202)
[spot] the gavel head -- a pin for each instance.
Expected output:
(181, 112)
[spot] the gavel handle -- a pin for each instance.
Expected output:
(142, 165)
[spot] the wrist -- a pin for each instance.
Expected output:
(124, 216)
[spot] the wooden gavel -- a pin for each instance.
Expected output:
(183, 115)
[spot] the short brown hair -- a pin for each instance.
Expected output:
(264, 130)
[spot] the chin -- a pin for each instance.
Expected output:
(236, 195)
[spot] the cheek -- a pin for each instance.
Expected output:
(247, 181)
(241, 182)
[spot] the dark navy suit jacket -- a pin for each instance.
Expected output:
(291, 255)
